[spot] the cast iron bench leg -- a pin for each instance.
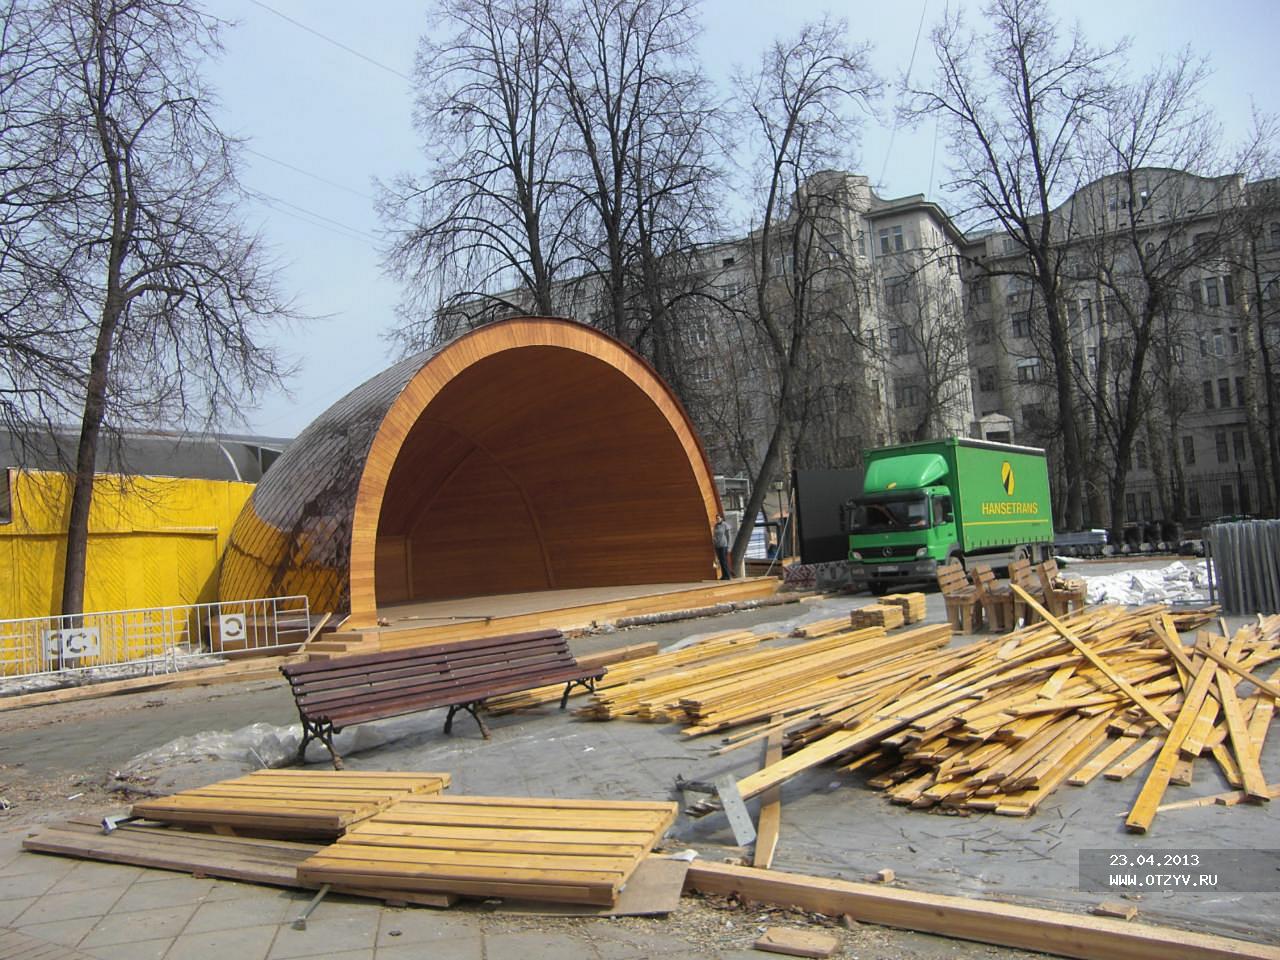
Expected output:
(588, 682)
(471, 708)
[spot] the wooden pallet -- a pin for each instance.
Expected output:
(564, 851)
(290, 803)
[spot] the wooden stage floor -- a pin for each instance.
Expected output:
(412, 624)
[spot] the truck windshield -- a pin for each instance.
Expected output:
(879, 516)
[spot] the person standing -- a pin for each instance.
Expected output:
(720, 538)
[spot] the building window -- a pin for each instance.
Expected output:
(1241, 447)
(1228, 494)
(897, 337)
(1220, 439)
(1239, 391)
(1032, 416)
(1188, 450)
(897, 239)
(982, 331)
(1202, 241)
(1140, 454)
(1086, 312)
(1219, 343)
(6, 495)
(1233, 335)
(986, 379)
(726, 261)
(1194, 287)
(1228, 295)
(1204, 343)
(1224, 392)
(1073, 314)
(1091, 358)
(1021, 324)
(895, 291)
(1131, 507)
(1148, 510)
(1211, 292)
(1029, 370)
(1275, 235)
(906, 393)
(982, 291)
(1208, 394)
(1193, 502)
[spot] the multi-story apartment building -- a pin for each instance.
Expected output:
(918, 330)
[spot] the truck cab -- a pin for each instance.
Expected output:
(925, 503)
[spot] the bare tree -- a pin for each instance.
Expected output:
(1257, 263)
(1157, 216)
(1016, 100)
(140, 276)
(802, 104)
(928, 351)
(492, 213)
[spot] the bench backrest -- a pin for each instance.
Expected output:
(983, 578)
(951, 578)
(1020, 573)
(428, 674)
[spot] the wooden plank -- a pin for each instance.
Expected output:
(770, 819)
(1144, 808)
(1255, 785)
(1270, 689)
(1027, 928)
(796, 943)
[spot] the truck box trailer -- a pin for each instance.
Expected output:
(926, 503)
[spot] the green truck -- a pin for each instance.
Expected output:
(926, 503)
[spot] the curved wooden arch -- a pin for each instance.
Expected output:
(531, 453)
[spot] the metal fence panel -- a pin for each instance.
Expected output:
(153, 638)
(1245, 564)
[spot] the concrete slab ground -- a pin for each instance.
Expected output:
(832, 825)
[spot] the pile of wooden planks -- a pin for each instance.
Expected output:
(912, 605)
(753, 685)
(566, 851)
(290, 803)
(887, 615)
(999, 724)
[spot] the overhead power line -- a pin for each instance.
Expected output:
(328, 39)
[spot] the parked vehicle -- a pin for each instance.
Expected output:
(935, 501)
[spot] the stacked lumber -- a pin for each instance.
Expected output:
(566, 851)
(821, 628)
(723, 644)
(887, 615)
(754, 685)
(320, 803)
(999, 724)
(912, 605)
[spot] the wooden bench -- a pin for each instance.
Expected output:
(1020, 572)
(996, 599)
(335, 694)
(1061, 593)
(963, 610)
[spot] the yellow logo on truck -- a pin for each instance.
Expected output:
(1006, 477)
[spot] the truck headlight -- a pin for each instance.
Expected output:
(922, 553)
(855, 555)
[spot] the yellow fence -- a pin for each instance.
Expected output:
(153, 541)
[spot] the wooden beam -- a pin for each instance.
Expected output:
(1255, 785)
(1027, 928)
(1144, 808)
(770, 819)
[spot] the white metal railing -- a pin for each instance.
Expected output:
(150, 638)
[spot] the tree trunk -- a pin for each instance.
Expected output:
(1119, 481)
(95, 405)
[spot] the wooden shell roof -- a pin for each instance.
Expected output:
(529, 454)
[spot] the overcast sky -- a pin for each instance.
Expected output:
(321, 122)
